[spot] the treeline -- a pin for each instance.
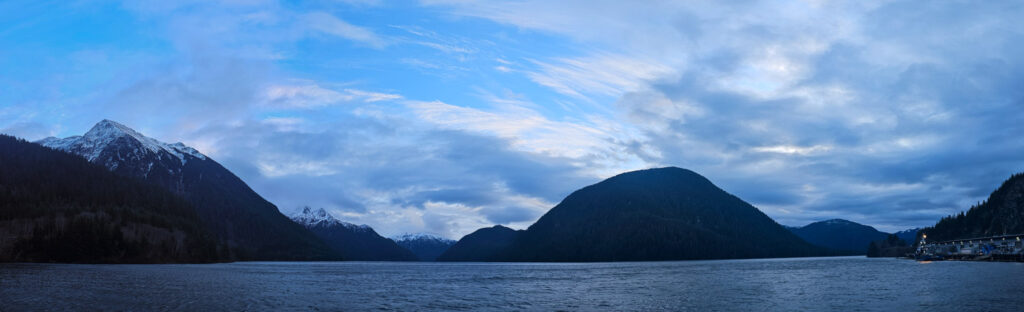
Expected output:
(891, 246)
(58, 207)
(1002, 213)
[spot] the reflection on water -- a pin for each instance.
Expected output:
(809, 284)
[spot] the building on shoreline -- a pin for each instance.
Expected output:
(992, 248)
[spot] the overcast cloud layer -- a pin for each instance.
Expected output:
(447, 116)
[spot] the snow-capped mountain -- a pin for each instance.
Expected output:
(839, 222)
(226, 205)
(419, 236)
(112, 144)
(309, 217)
(427, 247)
(80, 212)
(353, 242)
(909, 235)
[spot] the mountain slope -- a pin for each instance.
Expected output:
(909, 235)
(1002, 213)
(840, 235)
(486, 244)
(353, 242)
(426, 247)
(58, 207)
(655, 214)
(225, 204)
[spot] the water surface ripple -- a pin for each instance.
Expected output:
(803, 284)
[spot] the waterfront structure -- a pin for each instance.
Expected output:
(992, 248)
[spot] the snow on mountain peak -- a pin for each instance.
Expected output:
(109, 127)
(913, 230)
(419, 236)
(58, 143)
(837, 221)
(105, 132)
(320, 217)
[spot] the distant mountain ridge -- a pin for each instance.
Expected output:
(426, 247)
(227, 206)
(840, 235)
(655, 214)
(353, 242)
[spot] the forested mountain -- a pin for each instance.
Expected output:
(1002, 213)
(840, 235)
(426, 247)
(226, 205)
(655, 214)
(486, 244)
(58, 207)
(353, 242)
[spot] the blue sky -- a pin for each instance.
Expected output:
(445, 116)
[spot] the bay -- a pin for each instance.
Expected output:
(794, 284)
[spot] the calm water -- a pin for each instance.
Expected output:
(810, 284)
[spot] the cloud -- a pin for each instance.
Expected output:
(28, 130)
(312, 96)
(331, 25)
(609, 75)
(468, 113)
(337, 145)
(892, 113)
(208, 87)
(370, 97)
(793, 150)
(393, 173)
(596, 145)
(363, 2)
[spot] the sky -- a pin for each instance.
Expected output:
(445, 116)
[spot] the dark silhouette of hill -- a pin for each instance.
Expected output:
(486, 244)
(845, 237)
(655, 214)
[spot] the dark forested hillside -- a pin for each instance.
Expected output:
(486, 244)
(241, 216)
(1002, 213)
(840, 235)
(227, 206)
(58, 207)
(655, 214)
